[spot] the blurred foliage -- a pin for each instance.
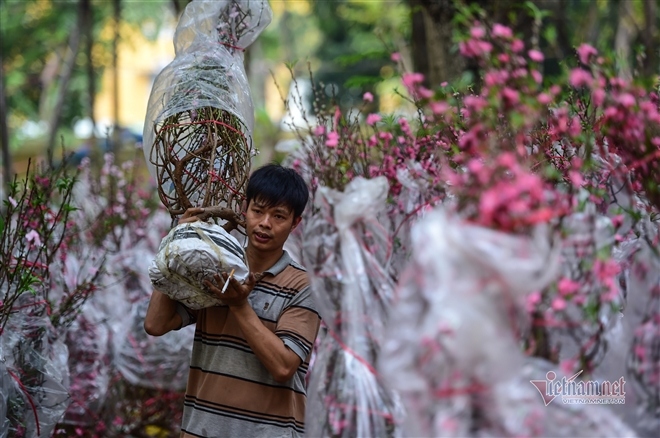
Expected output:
(346, 43)
(34, 37)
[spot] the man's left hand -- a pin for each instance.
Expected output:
(236, 293)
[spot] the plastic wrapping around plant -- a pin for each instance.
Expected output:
(189, 255)
(588, 298)
(346, 251)
(6, 389)
(38, 376)
(643, 360)
(452, 349)
(88, 341)
(199, 122)
(152, 362)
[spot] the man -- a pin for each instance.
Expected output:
(250, 356)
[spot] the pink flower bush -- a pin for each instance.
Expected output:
(580, 157)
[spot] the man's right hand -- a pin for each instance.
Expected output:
(190, 215)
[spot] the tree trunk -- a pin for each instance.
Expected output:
(432, 41)
(626, 33)
(65, 77)
(88, 30)
(433, 51)
(650, 37)
(7, 171)
(114, 144)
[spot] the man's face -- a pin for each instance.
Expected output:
(268, 228)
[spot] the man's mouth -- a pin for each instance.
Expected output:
(262, 237)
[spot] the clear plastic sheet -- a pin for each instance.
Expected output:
(152, 362)
(452, 350)
(346, 251)
(37, 374)
(88, 341)
(192, 253)
(206, 72)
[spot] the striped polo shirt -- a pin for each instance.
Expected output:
(230, 393)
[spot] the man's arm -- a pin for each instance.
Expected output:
(162, 316)
(280, 361)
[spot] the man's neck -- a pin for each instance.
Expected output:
(260, 261)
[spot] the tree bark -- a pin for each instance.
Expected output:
(651, 65)
(65, 77)
(432, 41)
(114, 144)
(7, 170)
(88, 30)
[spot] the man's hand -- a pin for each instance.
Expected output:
(236, 293)
(190, 215)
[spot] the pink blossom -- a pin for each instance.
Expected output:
(475, 48)
(443, 84)
(396, 57)
(510, 95)
(477, 32)
(585, 51)
(412, 79)
(12, 201)
(319, 130)
(533, 300)
(33, 238)
(626, 99)
(598, 96)
(517, 46)
(372, 119)
(568, 366)
(475, 103)
(579, 77)
(439, 107)
(368, 97)
(558, 304)
(544, 98)
(501, 31)
(497, 77)
(538, 77)
(566, 286)
(333, 139)
(535, 55)
(425, 93)
(576, 178)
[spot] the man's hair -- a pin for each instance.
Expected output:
(275, 185)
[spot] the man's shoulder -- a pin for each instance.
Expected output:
(293, 277)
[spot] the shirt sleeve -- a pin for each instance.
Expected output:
(299, 324)
(187, 315)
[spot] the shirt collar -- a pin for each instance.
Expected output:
(279, 266)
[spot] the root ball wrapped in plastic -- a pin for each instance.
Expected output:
(192, 253)
(198, 128)
(346, 251)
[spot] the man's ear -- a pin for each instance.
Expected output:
(296, 221)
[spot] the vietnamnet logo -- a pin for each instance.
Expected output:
(581, 392)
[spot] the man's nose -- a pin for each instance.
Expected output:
(265, 221)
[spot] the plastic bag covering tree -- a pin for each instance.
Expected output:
(199, 122)
(346, 250)
(452, 349)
